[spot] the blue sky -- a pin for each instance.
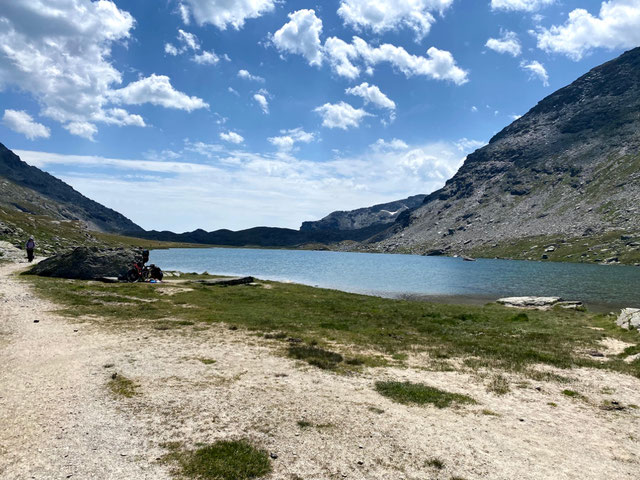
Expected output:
(185, 114)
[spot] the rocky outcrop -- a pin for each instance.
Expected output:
(88, 263)
(377, 215)
(538, 303)
(629, 318)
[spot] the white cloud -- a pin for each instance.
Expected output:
(82, 129)
(60, 53)
(394, 145)
(372, 94)
(474, 109)
(189, 40)
(21, 122)
(225, 13)
(616, 26)
(288, 138)
(244, 189)
(301, 35)
(244, 74)
(467, 145)
(206, 58)
(171, 49)
(508, 43)
(232, 137)
(520, 5)
(233, 91)
(384, 15)
(184, 14)
(157, 90)
(536, 69)
(261, 99)
(341, 115)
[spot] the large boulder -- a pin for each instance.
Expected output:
(88, 263)
(629, 318)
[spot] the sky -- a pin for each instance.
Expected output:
(185, 114)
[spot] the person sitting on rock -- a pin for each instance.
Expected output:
(31, 245)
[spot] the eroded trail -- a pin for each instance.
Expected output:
(57, 418)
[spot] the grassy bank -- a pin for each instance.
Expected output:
(361, 329)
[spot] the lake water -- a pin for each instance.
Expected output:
(444, 278)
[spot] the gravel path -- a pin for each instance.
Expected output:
(59, 420)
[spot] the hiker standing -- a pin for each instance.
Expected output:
(31, 245)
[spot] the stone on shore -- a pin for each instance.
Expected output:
(226, 282)
(629, 318)
(537, 303)
(89, 263)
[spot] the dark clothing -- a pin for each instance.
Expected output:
(31, 245)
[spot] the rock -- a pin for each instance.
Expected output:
(468, 259)
(550, 248)
(539, 303)
(629, 318)
(570, 305)
(88, 263)
(225, 282)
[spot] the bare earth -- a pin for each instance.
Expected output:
(58, 419)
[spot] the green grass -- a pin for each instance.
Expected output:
(223, 460)
(122, 386)
(435, 463)
(499, 385)
(416, 393)
(573, 394)
(332, 324)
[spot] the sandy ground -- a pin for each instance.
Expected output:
(59, 420)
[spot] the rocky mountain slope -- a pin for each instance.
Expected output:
(566, 174)
(27, 189)
(378, 215)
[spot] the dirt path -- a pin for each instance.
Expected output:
(59, 419)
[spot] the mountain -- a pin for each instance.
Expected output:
(566, 174)
(27, 189)
(378, 215)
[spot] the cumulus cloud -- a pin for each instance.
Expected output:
(21, 122)
(537, 70)
(156, 90)
(244, 74)
(225, 13)
(232, 137)
(261, 100)
(301, 35)
(395, 144)
(59, 52)
(341, 115)
(508, 43)
(381, 16)
(206, 58)
(82, 129)
(288, 138)
(520, 5)
(372, 94)
(616, 26)
(189, 43)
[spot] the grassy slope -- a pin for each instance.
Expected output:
(593, 249)
(488, 336)
(54, 235)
